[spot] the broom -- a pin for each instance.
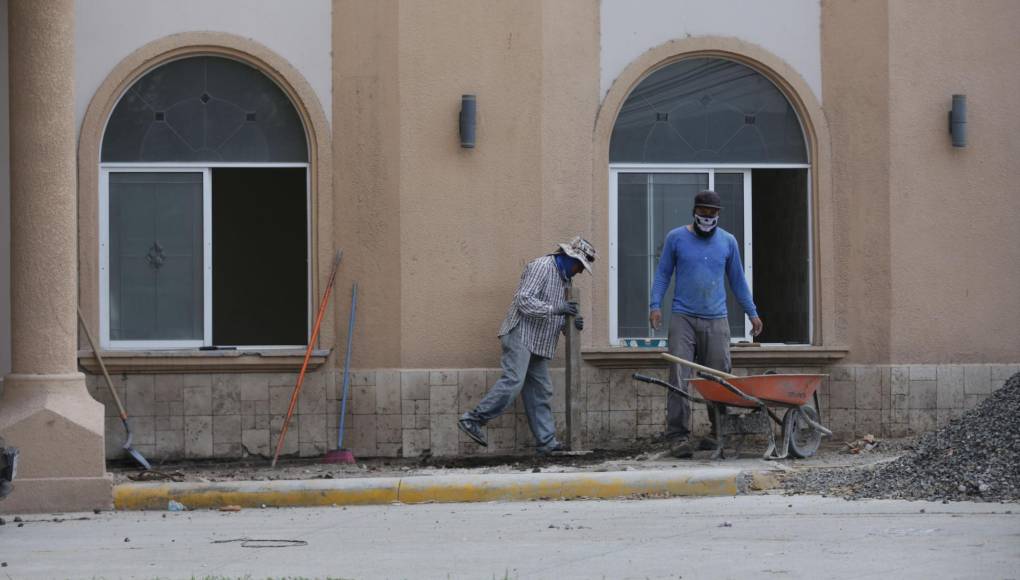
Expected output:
(341, 455)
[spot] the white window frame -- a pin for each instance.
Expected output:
(205, 168)
(617, 168)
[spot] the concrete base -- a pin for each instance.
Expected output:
(59, 494)
(59, 429)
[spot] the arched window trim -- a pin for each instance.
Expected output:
(106, 167)
(615, 168)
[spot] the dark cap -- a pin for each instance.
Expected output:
(708, 198)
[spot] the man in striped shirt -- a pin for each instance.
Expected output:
(528, 336)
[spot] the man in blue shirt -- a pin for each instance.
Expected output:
(701, 254)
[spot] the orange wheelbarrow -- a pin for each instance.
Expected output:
(761, 395)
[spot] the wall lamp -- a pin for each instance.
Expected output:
(468, 109)
(958, 121)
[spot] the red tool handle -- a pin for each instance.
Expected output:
(308, 355)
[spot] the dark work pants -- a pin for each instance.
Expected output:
(705, 341)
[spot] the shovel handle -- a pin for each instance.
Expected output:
(102, 366)
(696, 366)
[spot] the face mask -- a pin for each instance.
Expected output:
(705, 226)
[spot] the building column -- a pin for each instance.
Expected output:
(45, 409)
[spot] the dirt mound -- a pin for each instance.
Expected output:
(975, 457)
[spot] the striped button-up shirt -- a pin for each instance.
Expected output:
(540, 292)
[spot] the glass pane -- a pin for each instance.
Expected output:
(649, 206)
(156, 260)
(673, 195)
(205, 109)
(730, 187)
(707, 110)
(632, 255)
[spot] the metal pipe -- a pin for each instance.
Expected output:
(347, 368)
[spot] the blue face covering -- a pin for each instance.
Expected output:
(566, 265)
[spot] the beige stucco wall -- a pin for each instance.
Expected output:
(5, 203)
(366, 139)
(916, 283)
(443, 232)
(954, 213)
(855, 79)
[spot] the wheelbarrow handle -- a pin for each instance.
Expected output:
(696, 366)
(670, 387)
(732, 389)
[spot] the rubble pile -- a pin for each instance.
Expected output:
(975, 457)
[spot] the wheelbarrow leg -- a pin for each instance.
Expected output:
(783, 449)
(720, 437)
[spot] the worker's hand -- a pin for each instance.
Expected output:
(567, 308)
(756, 326)
(579, 322)
(655, 317)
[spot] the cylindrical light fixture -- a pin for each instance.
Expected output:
(958, 121)
(468, 109)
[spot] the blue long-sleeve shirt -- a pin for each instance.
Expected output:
(700, 264)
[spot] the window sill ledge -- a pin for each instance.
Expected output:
(193, 361)
(742, 356)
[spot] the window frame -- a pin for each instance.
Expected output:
(615, 169)
(206, 168)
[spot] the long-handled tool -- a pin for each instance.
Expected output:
(116, 398)
(341, 455)
(308, 355)
(697, 367)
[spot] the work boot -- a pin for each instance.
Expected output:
(554, 448)
(473, 430)
(681, 448)
(708, 443)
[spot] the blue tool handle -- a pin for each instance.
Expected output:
(347, 368)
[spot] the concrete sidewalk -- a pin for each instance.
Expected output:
(456, 488)
(762, 536)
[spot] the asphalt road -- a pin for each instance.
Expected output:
(765, 536)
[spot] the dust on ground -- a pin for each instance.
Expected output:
(645, 456)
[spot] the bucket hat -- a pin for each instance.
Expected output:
(582, 250)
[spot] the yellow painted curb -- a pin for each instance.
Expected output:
(156, 496)
(600, 485)
(713, 481)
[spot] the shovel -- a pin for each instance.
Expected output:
(116, 398)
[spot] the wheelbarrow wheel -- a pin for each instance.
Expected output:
(802, 437)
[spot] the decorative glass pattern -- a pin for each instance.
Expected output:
(156, 261)
(707, 111)
(204, 109)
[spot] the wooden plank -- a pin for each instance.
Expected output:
(574, 386)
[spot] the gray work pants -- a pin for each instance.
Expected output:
(527, 374)
(705, 341)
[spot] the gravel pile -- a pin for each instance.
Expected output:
(975, 457)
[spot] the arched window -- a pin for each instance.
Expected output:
(710, 123)
(204, 211)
